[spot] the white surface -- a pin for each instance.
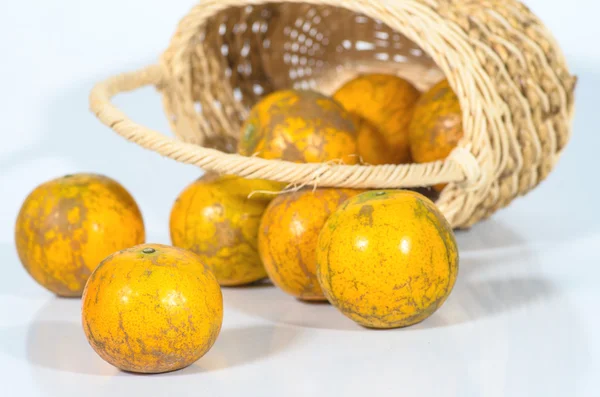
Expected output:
(522, 320)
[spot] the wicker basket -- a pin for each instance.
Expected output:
(511, 78)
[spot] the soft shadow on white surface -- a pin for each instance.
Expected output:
(487, 285)
(491, 235)
(241, 346)
(275, 306)
(55, 340)
(472, 300)
(474, 297)
(62, 346)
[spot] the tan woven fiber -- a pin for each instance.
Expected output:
(513, 84)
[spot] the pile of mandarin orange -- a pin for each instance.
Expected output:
(385, 259)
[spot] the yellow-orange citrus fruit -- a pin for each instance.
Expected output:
(436, 127)
(217, 218)
(151, 309)
(299, 126)
(387, 259)
(387, 102)
(373, 149)
(288, 237)
(68, 225)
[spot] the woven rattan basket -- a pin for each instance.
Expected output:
(512, 80)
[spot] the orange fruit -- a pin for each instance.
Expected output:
(68, 225)
(387, 103)
(152, 309)
(299, 126)
(387, 259)
(216, 218)
(288, 237)
(436, 127)
(372, 146)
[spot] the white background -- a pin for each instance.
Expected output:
(522, 320)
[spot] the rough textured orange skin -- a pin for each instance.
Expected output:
(436, 127)
(387, 102)
(372, 146)
(215, 218)
(387, 259)
(288, 237)
(299, 126)
(68, 225)
(152, 309)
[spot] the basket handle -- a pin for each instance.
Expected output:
(461, 167)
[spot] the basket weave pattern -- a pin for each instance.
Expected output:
(511, 78)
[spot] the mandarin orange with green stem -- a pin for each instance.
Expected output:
(387, 259)
(152, 309)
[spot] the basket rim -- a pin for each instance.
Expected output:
(460, 167)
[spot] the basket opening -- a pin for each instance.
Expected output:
(245, 53)
(514, 88)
